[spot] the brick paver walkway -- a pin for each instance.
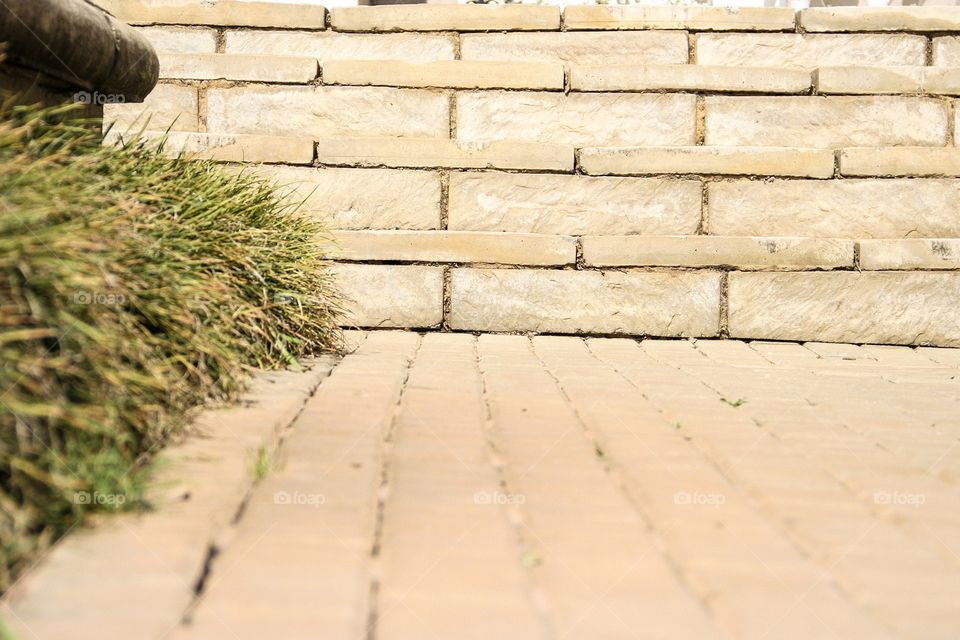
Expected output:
(449, 486)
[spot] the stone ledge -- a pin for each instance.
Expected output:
(251, 68)
(428, 152)
(900, 161)
(229, 147)
(688, 77)
(457, 246)
(225, 13)
(390, 295)
(749, 253)
(459, 74)
(898, 255)
(694, 18)
(805, 50)
(881, 19)
(442, 17)
(763, 161)
(876, 80)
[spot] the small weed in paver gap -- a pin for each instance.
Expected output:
(734, 403)
(600, 452)
(677, 424)
(531, 559)
(262, 465)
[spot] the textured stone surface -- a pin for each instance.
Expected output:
(465, 74)
(898, 308)
(946, 51)
(815, 121)
(412, 47)
(233, 147)
(390, 295)
(224, 13)
(577, 48)
(362, 198)
(931, 18)
(687, 77)
(694, 17)
(457, 246)
(765, 161)
(707, 251)
(862, 79)
(796, 50)
(445, 17)
(167, 107)
(572, 204)
(321, 112)
(900, 161)
(662, 304)
(578, 119)
(218, 66)
(835, 208)
(423, 152)
(181, 39)
(910, 254)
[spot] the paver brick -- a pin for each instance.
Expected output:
(688, 77)
(764, 161)
(653, 47)
(389, 295)
(225, 13)
(810, 50)
(329, 45)
(451, 17)
(694, 17)
(461, 74)
(900, 161)
(907, 254)
(930, 18)
(252, 68)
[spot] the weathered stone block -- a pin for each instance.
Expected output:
(946, 51)
(804, 50)
(232, 147)
(167, 107)
(931, 18)
(461, 74)
(835, 208)
(829, 122)
(926, 253)
(687, 77)
(218, 66)
(654, 47)
(900, 161)
(445, 17)
(225, 13)
(390, 295)
(324, 112)
(181, 39)
(766, 161)
(578, 119)
(846, 306)
(866, 80)
(412, 47)
(698, 18)
(575, 205)
(561, 301)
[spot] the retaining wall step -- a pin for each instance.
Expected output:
(763, 161)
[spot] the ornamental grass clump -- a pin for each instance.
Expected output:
(133, 286)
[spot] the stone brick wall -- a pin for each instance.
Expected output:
(664, 171)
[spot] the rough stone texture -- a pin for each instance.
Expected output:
(575, 205)
(218, 66)
(686, 77)
(698, 18)
(389, 295)
(423, 152)
(461, 74)
(946, 51)
(862, 79)
(708, 251)
(577, 48)
(167, 107)
(765, 161)
(457, 246)
(930, 18)
(232, 147)
(412, 47)
(796, 50)
(900, 161)
(662, 304)
(910, 254)
(362, 198)
(578, 119)
(181, 39)
(898, 308)
(836, 121)
(321, 112)
(224, 13)
(835, 209)
(445, 17)
(941, 81)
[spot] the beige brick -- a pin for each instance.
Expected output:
(698, 18)
(835, 208)
(224, 13)
(457, 246)
(231, 147)
(941, 81)
(579, 119)
(880, 19)
(181, 39)
(687, 77)
(707, 251)
(895, 308)
(764, 161)
(561, 301)
(321, 112)
(641, 47)
(362, 198)
(422, 152)
(461, 74)
(412, 47)
(253, 68)
(946, 51)
(859, 79)
(803, 50)
(445, 17)
(390, 295)
(837, 121)
(532, 203)
(925, 253)
(900, 161)
(167, 107)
